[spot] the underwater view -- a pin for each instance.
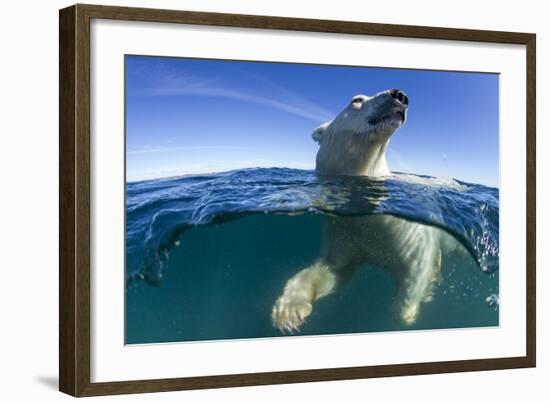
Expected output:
(207, 256)
(269, 199)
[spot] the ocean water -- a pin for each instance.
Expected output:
(207, 256)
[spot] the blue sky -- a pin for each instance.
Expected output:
(189, 116)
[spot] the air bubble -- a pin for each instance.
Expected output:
(493, 301)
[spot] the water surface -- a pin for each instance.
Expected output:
(206, 256)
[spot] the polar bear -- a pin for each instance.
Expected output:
(354, 144)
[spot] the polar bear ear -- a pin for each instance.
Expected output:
(318, 133)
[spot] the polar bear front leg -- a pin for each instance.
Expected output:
(300, 292)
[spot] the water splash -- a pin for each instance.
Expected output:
(493, 301)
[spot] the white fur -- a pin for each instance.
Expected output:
(354, 143)
(296, 303)
(351, 144)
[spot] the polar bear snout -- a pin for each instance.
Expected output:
(400, 103)
(400, 96)
(387, 107)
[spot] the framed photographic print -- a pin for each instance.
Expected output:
(252, 200)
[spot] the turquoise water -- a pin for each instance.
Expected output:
(208, 256)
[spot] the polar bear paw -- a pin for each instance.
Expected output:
(409, 314)
(289, 312)
(296, 303)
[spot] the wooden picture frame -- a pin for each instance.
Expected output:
(74, 199)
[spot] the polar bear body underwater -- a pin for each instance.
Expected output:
(354, 144)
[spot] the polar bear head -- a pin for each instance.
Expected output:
(355, 141)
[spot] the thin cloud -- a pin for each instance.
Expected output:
(164, 80)
(283, 105)
(287, 94)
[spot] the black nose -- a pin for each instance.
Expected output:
(400, 95)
